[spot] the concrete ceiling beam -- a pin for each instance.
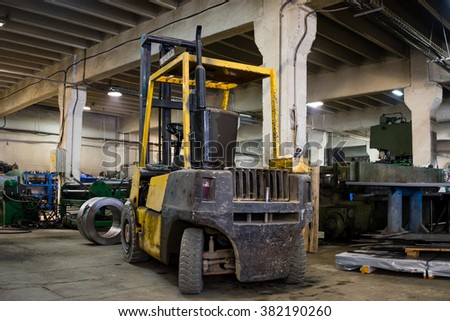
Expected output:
(336, 51)
(371, 31)
(99, 10)
(122, 52)
(51, 11)
(46, 35)
(52, 50)
(138, 7)
(24, 57)
(366, 79)
(338, 34)
(66, 27)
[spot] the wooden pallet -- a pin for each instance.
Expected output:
(415, 251)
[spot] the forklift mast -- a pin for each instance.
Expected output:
(211, 142)
(167, 47)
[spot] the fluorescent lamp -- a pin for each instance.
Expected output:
(397, 92)
(114, 93)
(2, 22)
(315, 104)
(86, 108)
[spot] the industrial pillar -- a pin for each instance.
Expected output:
(394, 224)
(395, 210)
(284, 35)
(422, 97)
(71, 101)
(317, 141)
(415, 215)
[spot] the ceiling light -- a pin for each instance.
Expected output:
(315, 104)
(397, 92)
(114, 92)
(2, 22)
(86, 108)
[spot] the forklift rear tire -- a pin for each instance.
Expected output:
(298, 263)
(129, 238)
(190, 280)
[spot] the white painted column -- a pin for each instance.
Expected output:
(284, 42)
(423, 98)
(317, 141)
(71, 102)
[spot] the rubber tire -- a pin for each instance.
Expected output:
(297, 268)
(334, 226)
(190, 279)
(129, 238)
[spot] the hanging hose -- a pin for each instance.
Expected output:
(86, 220)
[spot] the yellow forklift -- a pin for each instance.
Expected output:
(197, 209)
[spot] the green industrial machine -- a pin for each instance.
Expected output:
(354, 195)
(17, 208)
(393, 138)
(75, 194)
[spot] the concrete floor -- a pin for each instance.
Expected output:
(59, 264)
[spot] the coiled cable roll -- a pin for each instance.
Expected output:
(86, 220)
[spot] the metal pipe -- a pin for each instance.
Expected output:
(145, 72)
(200, 72)
(164, 137)
(401, 29)
(280, 32)
(4, 211)
(368, 12)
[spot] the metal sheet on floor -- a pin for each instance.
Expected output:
(430, 264)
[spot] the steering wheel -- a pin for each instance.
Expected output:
(174, 128)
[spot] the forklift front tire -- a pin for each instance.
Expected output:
(129, 238)
(298, 263)
(190, 280)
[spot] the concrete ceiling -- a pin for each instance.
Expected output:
(39, 33)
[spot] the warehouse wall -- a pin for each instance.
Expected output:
(29, 136)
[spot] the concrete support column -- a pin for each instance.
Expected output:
(423, 98)
(71, 101)
(284, 35)
(317, 141)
